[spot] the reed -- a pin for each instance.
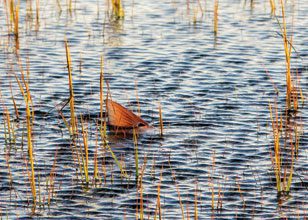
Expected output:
(283, 158)
(216, 3)
(158, 210)
(161, 124)
(37, 9)
(117, 9)
(14, 103)
(29, 123)
(85, 153)
(136, 153)
(276, 131)
(73, 129)
(16, 19)
(287, 50)
(30, 146)
(273, 6)
(95, 168)
(70, 6)
(211, 182)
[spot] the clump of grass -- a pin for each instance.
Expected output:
(283, 158)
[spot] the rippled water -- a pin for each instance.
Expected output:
(214, 93)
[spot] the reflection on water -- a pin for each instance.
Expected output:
(214, 155)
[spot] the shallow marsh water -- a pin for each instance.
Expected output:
(214, 92)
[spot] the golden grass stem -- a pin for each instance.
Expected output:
(86, 151)
(73, 130)
(287, 51)
(117, 9)
(30, 146)
(161, 124)
(101, 90)
(273, 6)
(216, 3)
(158, 205)
(276, 128)
(136, 154)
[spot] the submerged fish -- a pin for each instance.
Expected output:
(121, 118)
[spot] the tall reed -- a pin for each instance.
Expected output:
(85, 153)
(273, 6)
(287, 50)
(73, 129)
(136, 153)
(29, 121)
(161, 123)
(117, 9)
(216, 3)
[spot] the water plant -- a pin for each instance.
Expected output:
(283, 158)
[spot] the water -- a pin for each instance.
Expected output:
(214, 93)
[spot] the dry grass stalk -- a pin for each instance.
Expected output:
(158, 204)
(117, 9)
(85, 154)
(161, 124)
(29, 122)
(73, 125)
(216, 17)
(273, 6)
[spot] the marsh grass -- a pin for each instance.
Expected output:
(285, 130)
(286, 137)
